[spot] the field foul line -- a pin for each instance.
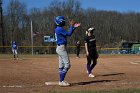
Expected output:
(135, 62)
(20, 86)
(19, 59)
(16, 86)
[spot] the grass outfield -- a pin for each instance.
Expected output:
(101, 91)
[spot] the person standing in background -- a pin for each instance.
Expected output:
(78, 46)
(14, 50)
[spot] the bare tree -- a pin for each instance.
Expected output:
(111, 26)
(2, 32)
(16, 12)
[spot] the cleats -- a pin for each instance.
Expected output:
(64, 83)
(91, 76)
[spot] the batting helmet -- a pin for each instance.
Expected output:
(60, 20)
(14, 42)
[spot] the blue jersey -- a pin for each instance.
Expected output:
(61, 34)
(14, 46)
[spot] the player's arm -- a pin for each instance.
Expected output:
(86, 48)
(73, 26)
(17, 47)
(65, 33)
(69, 33)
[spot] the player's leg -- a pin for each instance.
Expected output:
(88, 64)
(78, 52)
(93, 63)
(94, 59)
(13, 51)
(61, 65)
(64, 64)
(89, 67)
(16, 54)
(65, 59)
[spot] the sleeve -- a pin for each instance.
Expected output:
(65, 33)
(86, 39)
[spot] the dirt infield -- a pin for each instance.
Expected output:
(28, 74)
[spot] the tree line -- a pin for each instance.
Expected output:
(111, 26)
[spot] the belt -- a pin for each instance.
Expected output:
(61, 44)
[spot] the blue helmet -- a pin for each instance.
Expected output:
(14, 42)
(60, 20)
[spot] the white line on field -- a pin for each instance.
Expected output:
(134, 63)
(13, 86)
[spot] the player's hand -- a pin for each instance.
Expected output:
(72, 22)
(77, 24)
(87, 53)
(97, 56)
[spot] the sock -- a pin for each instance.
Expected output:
(89, 69)
(62, 74)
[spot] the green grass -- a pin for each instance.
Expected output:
(100, 91)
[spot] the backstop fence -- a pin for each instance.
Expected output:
(70, 49)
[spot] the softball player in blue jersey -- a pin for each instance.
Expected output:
(14, 50)
(61, 41)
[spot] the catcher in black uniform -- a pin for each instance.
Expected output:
(91, 51)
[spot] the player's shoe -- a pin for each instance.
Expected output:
(90, 75)
(64, 83)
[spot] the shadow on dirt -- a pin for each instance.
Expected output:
(97, 81)
(91, 82)
(111, 74)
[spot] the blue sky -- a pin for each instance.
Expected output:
(115, 5)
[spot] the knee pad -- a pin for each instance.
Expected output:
(66, 68)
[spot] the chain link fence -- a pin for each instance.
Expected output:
(70, 49)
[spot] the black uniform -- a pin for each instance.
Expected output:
(93, 55)
(78, 45)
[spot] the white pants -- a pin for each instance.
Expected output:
(64, 61)
(14, 51)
